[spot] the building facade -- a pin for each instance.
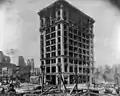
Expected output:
(66, 38)
(21, 61)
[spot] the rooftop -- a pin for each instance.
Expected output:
(64, 3)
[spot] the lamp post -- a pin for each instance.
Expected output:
(42, 70)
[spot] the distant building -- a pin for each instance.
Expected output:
(21, 61)
(6, 59)
(32, 64)
(1, 56)
(10, 68)
(29, 65)
(66, 38)
(5, 62)
(28, 62)
(7, 71)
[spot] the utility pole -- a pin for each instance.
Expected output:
(60, 74)
(76, 78)
(39, 78)
(43, 70)
(88, 85)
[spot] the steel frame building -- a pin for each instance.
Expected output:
(66, 37)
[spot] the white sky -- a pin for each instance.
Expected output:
(19, 28)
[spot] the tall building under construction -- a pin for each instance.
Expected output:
(66, 38)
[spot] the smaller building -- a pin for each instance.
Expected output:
(35, 72)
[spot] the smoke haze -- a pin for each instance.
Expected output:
(116, 3)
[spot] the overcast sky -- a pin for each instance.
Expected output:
(19, 28)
